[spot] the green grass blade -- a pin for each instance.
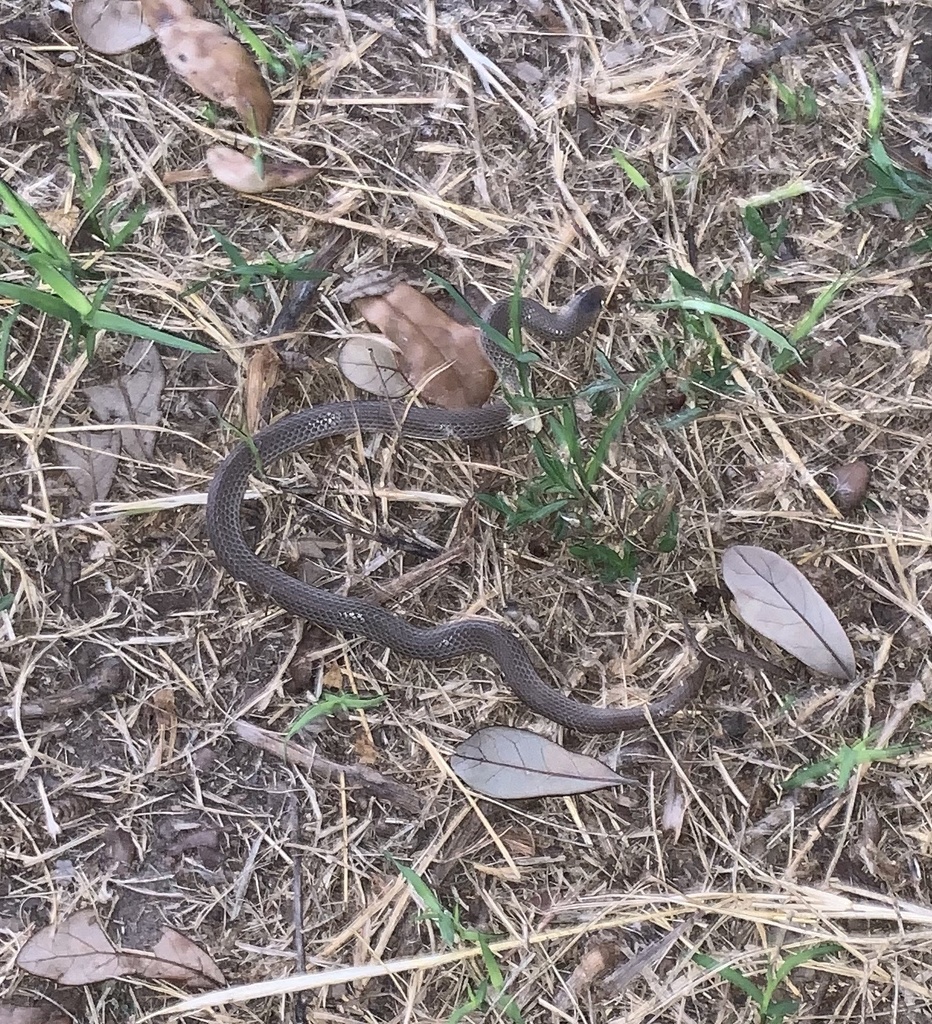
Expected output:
(126, 232)
(45, 302)
(66, 290)
(329, 704)
(35, 228)
(263, 54)
(104, 321)
(793, 961)
(731, 975)
(779, 341)
(632, 173)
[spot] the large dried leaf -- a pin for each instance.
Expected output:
(110, 26)
(77, 951)
(90, 461)
(442, 359)
(133, 398)
(515, 764)
(775, 598)
(238, 171)
(210, 61)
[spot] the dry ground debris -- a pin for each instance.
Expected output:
(771, 857)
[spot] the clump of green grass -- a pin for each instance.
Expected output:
(910, 192)
(91, 188)
(769, 1009)
(62, 276)
(796, 105)
(278, 69)
(487, 994)
(845, 760)
(769, 239)
(251, 277)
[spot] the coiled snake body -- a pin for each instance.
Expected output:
(353, 616)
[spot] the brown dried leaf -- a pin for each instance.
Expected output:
(75, 952)
(371, 363)
(441, 358)
(210, 61)
(175, 958)
(262, 375)
(133, 398)
(238, 171)
(91, 461)
(515, 764)
(773, 597)
(110, 26)
(78, 952)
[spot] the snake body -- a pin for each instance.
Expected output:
(353, 616)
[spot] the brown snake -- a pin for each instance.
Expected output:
(351, 615)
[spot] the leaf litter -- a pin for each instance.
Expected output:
(110, 26)
(77, 951)
(439, 358)
(773, 597)
(132, 398)
(210, 61)
(517, 764)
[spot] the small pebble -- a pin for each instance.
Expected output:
(851, 482)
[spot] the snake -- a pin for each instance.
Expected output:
(353, 616)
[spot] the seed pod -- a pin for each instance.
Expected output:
(851, 481)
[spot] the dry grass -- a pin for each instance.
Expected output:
(601, 901)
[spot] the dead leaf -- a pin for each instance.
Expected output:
(210, 61)
(444, 360)
(133, 398)
(91, 461)
(10, 1014)
(239, 171)
(773, 597)
(176, 958)
(110, 26)
(515, 764)
(77, 951)
(371, 363)
(366, 752)
(262, 375)
(674, 808)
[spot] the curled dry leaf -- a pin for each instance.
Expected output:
(851, 483)
(371, 363)
(262, 375)
(110, 26)
(210, 61)
(773, 597)
(442, 359)
(238, 171)
(77, 951)
(515, 764)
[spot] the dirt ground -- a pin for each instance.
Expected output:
(152, 797)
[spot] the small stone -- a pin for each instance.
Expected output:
(851, 481)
